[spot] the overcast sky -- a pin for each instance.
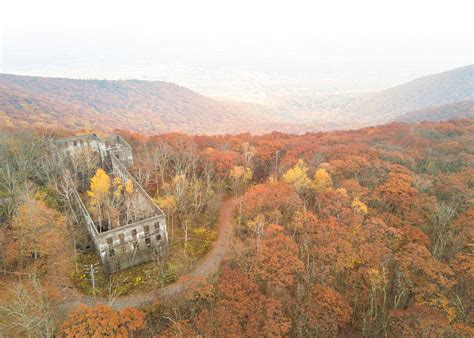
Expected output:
(185, 41)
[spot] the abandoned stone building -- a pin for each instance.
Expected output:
(135, 240)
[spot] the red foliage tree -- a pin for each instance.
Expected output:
(277, 201)
(241, 310)
(101, 320)
(277, 258)
(328, 313)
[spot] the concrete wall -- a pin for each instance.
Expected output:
(72, 144)
(133, 244)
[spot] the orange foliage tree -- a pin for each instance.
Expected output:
(242, 310)
(38, 232)
(277, 258)
(328, 313)
(101, 320)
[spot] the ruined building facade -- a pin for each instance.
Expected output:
(128, 244)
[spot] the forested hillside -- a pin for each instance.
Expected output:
(434, 90)
(352, 233)
(151, 107)
(148, 107)
(461, 109)
(364, 109)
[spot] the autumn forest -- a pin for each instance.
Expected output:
(366, 232)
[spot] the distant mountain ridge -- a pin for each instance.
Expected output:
(463, 109)
(429, 91)
(143, 106)
(152, 107)
(359, 110)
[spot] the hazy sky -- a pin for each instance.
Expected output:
(217, 46)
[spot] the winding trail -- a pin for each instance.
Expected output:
(207, 266)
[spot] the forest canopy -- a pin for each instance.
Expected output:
(365, 232)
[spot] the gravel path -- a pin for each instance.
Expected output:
(208, 266)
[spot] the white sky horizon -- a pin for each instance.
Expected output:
(238, 48)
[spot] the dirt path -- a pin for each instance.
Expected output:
(206, 267)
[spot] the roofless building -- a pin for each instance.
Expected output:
(135, 239)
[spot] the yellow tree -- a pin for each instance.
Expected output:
(118, 188)
(168, 204)
(359, 207)
(298, 177)
(129, 186)
(116, 200)
(129, 189)
(240, 176)
(99, 193)
(322, 180)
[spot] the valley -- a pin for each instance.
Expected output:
(153, 107)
